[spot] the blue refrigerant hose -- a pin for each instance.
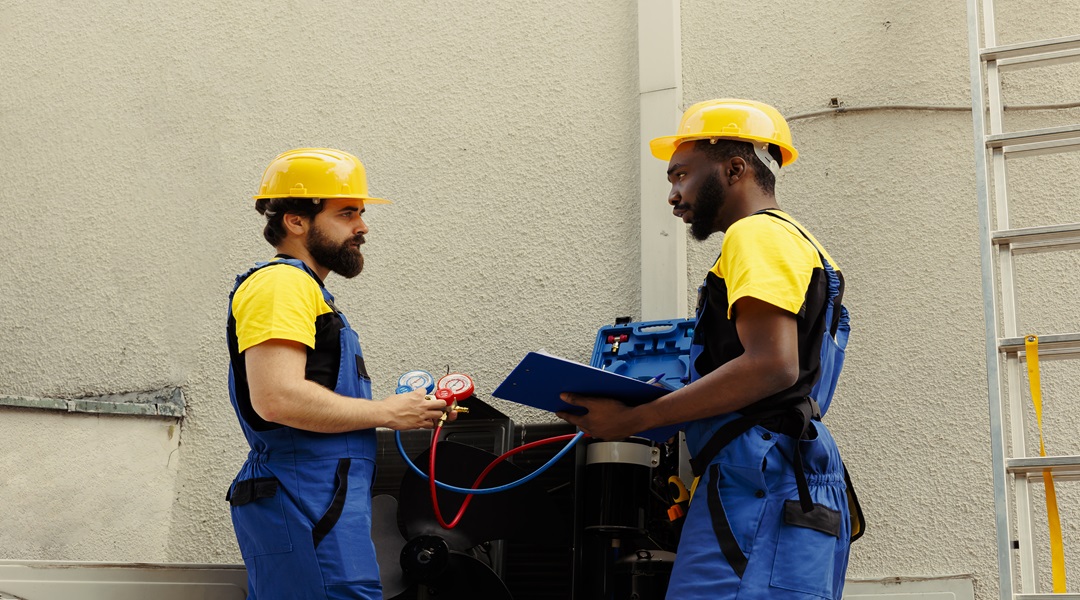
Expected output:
(491, 490)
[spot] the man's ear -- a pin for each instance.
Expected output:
(295, 223)
(736, 169)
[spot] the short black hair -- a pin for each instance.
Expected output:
(721, 150)
(275, 210)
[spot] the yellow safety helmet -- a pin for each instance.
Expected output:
(316, 173)
(732, 119)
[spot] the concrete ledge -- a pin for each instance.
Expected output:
(167, 402)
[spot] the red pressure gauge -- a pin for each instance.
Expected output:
(454, 387)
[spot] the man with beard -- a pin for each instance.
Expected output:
(770, 512)
(301, 503)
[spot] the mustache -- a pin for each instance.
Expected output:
(357, 239)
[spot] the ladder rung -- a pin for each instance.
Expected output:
(1034, 239)
(1064, 467)
(1041, 60)
(1037, 141)
(1030, 49)
(1052, 147)
(1059, 345)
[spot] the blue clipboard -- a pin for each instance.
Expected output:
(539, 378)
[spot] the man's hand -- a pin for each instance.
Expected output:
(411, 410)
(607, 419)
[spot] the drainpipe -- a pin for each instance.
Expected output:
(663, 237)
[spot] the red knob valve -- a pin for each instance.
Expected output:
(454, 387)
(445, 395)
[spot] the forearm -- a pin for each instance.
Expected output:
(769, 364)
(731, 387)
(280, 393)
(306, 405)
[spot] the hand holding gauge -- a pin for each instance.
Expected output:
(451, 389)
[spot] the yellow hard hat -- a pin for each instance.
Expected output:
(316, 173)
(731, 119)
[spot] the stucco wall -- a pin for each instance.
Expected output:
(134, 134)
(505, 133)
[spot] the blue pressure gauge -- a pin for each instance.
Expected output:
(415, 380)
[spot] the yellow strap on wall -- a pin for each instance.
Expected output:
(1057, 550)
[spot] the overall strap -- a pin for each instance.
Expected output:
(806, 409)
(284, 259)
(838, 299)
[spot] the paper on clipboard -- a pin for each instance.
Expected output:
(539, 378)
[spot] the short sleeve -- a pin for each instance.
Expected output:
(763, 258)
(277, 302)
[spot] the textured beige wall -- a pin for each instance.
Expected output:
(133, 135)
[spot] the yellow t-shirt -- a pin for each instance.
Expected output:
(765, 258)
(283, 302)
(278, 302)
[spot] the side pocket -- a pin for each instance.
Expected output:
(333, 512)
(806, 549)
(258, 517)
(722, 527)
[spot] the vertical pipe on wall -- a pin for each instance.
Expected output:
(663, 237)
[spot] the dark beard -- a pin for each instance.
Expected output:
(710, 199)
(339, 258)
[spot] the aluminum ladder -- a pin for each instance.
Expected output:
(999, 243)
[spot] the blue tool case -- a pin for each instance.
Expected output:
(645, 349)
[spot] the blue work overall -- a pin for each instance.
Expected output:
(746, 535)
(301, 503)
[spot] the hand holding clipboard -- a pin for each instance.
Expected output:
(540, 379)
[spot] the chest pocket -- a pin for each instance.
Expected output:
(353, 380)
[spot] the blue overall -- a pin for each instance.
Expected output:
(746, 535)
(301, 503)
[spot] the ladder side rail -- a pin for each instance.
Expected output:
(1021, 506)
(1021, 484)
(992, 87)
(993, 367)
(1017, 445)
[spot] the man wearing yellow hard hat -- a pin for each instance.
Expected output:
(771, 516)
(301, 503)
